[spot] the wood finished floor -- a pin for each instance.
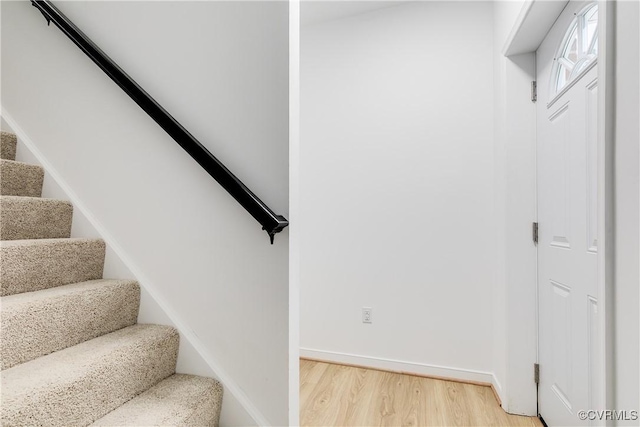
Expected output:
(336, 395)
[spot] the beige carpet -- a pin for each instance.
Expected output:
(72, 353)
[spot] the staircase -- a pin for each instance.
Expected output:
(72, 353)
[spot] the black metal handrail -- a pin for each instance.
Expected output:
(271, 222)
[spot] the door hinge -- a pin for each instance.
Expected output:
(534, 91)
(536, 373)
(535, 232)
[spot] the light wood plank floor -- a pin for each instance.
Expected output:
(336, 395)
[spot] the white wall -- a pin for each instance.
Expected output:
(221, 68)
(315, 12)
(396, 183)
(626, 351)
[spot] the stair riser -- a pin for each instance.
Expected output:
(80, 391)
(35, 326)
(20, 179)
(33, 218)
(7, 146)
(48, 263)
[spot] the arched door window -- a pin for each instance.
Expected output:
(578, 50)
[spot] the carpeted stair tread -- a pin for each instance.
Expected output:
(71, 352)
(81, 384)
(32, 265)
(38, 323)
(180, 400)
(34, 218)
(20, 179)
(8, 142)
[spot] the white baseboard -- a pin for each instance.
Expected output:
(230, 386)
(401, 366)
(410, 368)
(498, 390)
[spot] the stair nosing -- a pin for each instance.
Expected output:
(61, 240)
(78, 351)
(18, 162)
(43, 294)
(216, 389)
(148, 350)
(31, 198)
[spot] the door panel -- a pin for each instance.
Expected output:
(558, 155)
(567, 244)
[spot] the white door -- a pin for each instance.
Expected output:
(568, 242)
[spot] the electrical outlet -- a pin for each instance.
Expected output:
(367, 315)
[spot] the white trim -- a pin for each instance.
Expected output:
(294, 209)
(606, 116)
(230, 385)
(523, 16)
(497, 387)
(532, 25)
(403, 366)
